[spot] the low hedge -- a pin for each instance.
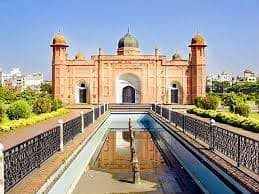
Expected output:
(228, 118)
(8, 125)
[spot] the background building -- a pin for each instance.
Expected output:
(16, 80)
(128, 76)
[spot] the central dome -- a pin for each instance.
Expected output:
(128, 41)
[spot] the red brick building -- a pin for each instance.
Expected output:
(128, 76)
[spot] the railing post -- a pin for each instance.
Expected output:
(155, 108)
(82, 121)
(161, 111)
(212, 124)
(184, 115)
(61, 131)
(169, 116)
(100, 111)
(238, 149)
(1, 169)
(93, 114)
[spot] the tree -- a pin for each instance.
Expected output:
(220, 87)
(46, 87)
(6, 95)
(257, 102)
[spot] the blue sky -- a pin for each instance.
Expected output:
(231, 29)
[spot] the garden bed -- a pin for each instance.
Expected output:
(7, 125)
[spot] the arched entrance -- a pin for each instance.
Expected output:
(174, 94)
(81, 93)
(128, 95)
(128, 88)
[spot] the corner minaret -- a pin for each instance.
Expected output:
(59, 46)
(197, 68)
(59, 58)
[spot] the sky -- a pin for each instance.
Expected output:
(230, 28)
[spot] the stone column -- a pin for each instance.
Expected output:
(212, 124)
(82, 120)
(1, 169)
(61, 145)
(93, 114)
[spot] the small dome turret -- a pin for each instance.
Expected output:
(79, 56)
(59, 39)
(198, 40)
(176, 56)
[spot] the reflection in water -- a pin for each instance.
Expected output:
(116, 152)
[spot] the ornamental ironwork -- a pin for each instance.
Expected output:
(21, 159)
(177, 118)
(71, 129)
(165, 113)
(96, 113)
(225, 142)
(88, 118)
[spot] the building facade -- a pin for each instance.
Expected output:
(17, 81)
(128, 76)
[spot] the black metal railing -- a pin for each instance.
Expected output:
(241, 149)
(88, 118)
(21, 159)
(96, 113)
(71, 128)
(177, 118)
(102, 109)
(165, 113)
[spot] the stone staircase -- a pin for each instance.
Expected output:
(129, 107)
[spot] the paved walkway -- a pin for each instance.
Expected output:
(21, 134)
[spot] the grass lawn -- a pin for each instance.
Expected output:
(254, 115)
(7, 125)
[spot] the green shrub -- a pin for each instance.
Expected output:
(257, 102)
(243, 110)
(2, 110)
(19, 109)
(42, 105)
(56, 104)
(210, 102)
(199, 102)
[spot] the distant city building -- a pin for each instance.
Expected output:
(33, 81)
(224, 77)
(18, 81)
(249, 76)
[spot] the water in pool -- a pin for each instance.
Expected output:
(111, 171)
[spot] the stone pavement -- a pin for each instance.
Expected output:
(37, 178)
(22, 134)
